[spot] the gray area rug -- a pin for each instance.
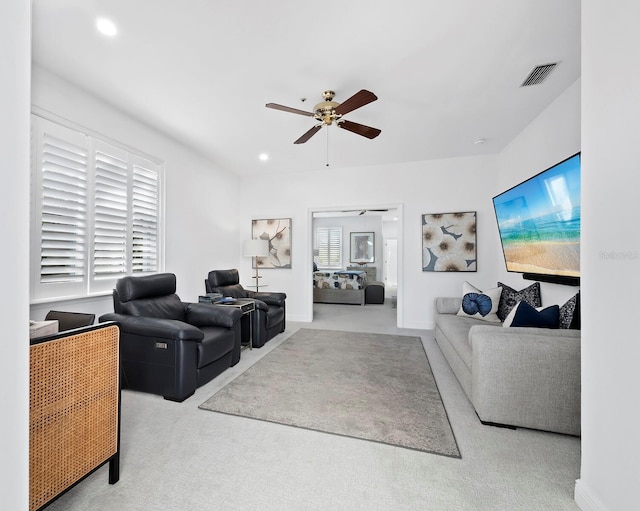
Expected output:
(370, 386)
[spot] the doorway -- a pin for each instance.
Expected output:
(388, 247)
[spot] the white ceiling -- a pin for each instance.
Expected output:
(201, 71)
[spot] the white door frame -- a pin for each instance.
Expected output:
(309, 259)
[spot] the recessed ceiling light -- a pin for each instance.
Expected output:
(106, 27)
(263, 157)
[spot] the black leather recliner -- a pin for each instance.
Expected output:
(270, 317)
(169, 347)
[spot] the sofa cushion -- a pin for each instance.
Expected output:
(480, 304)
(524, 315)
(510, 297)
(456, 330)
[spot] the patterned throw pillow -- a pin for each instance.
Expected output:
(510, 297)
(570, 312)
(480, 304)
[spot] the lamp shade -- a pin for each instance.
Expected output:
(255, 248)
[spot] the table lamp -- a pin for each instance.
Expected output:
(256, 248)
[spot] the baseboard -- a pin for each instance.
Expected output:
(584, 499)
(299, 318)
(418, 325)
(495, 424)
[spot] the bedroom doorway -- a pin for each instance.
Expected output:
(385, 223)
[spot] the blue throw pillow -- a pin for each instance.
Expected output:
(480, 304)
(525, 315)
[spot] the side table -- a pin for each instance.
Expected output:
(247, 307)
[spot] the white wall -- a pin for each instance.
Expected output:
(553, 136)
(201, 201)
(15, 41)
(610, 255)
(440, 186)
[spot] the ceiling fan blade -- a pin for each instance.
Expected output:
(275, 106)
(360, 210)
(360, 129)
(308, 134)
(364, 97)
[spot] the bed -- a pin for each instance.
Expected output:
(340, 286)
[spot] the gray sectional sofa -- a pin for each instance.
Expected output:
(521, 377)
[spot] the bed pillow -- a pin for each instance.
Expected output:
(510, 297)
(480, 304)
(524, 315)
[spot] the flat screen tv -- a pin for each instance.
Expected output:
(539, 224)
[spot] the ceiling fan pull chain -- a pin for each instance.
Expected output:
(327, 130)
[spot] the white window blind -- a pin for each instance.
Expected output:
(145, 219)
(60, 206)
(95, 213)
(110, 219)
(329, 245)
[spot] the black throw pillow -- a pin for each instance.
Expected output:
(510, 297)
(526, 315)
(575, 320)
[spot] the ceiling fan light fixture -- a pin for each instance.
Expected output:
(106, 27)
(325, 111)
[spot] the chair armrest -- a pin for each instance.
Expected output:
(206, 314)
(268, 298)
(155, 327)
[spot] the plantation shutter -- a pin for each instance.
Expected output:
(145, 197)
(329, 244)
(96, 213)
(110, 212)
(61, 215)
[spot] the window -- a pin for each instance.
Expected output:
(329, 245)
(95, 213)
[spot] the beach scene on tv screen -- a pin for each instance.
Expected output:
(539, 222)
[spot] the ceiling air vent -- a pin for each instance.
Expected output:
(539, 74)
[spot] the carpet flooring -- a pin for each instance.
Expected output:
(374, 387)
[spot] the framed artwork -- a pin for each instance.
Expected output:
(362, 247)
(277, 231)
(449, 242)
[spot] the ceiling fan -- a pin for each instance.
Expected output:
(329, 111)
(363, 211)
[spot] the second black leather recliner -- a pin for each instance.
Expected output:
(270, 316)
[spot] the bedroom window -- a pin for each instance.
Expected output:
(329, 245)
(95, 213)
